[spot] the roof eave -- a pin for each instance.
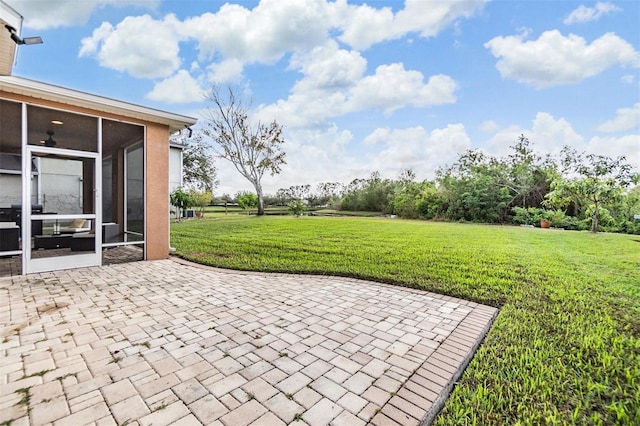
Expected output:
(58, 94)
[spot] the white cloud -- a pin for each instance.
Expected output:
(489, 126)
(628, 146)
(392, 87)
(40, 15)
(626, 119)
(226, 71)
(416, 149)
(235, 36)
(327, 73)
(551, 134)
(505, 137)
(318, 156)
(554, 59)
(429, 18)
(334, 84)
(263, 34)
(142, 46)
(587, 14)
(313, 156)
(380, 136)
(179, 88)
(364, 26)
(628, 79)
(327, 66)
(547, 134)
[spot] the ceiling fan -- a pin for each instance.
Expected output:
(50, 142)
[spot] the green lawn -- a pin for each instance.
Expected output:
(565, 347)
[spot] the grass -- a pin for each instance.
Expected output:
(565, 348)
(277, 210)
(284, 210)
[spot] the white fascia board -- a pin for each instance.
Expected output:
(49, 92)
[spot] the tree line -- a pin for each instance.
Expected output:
(572, 191)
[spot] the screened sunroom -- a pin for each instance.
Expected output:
(84, 180)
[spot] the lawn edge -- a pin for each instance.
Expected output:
(446, 391)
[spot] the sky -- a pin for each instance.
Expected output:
(361, 86)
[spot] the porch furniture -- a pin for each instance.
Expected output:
(6, 214)
(9, 236)
(51, 241)
(15, 215)
(110, 232)
(76, 225)
(83, 242)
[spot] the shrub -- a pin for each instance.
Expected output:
(297, 207)
(530, 216)
(181, 200)
(557, 218)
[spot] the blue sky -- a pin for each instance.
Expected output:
(362, 87)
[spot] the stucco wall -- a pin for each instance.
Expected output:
(157, 154)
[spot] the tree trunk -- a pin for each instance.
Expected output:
(594, 219)
(260, 200)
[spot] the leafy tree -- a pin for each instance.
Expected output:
(597, 182)
(483, 188)
(247, 200)
(297, 207)
(299, 192)
(377, 194)
(181, 199)
(528, 177)
(201, 199)
(329, 192)
(283, 196)
(198, 166)
(430, 201)
(253, 148)
(405, 195)
(373, 194)
(350, 198)
(625, 211)
(474, 190)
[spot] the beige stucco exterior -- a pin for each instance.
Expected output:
(157, 187)
(157, 135)
(158, 126)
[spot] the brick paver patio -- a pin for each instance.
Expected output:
(168, 342)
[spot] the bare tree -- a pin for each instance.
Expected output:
(251, 146)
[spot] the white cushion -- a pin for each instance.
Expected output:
(85, 226)
(77, 223)
(84, 235)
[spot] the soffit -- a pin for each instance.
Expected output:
(61, 95)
